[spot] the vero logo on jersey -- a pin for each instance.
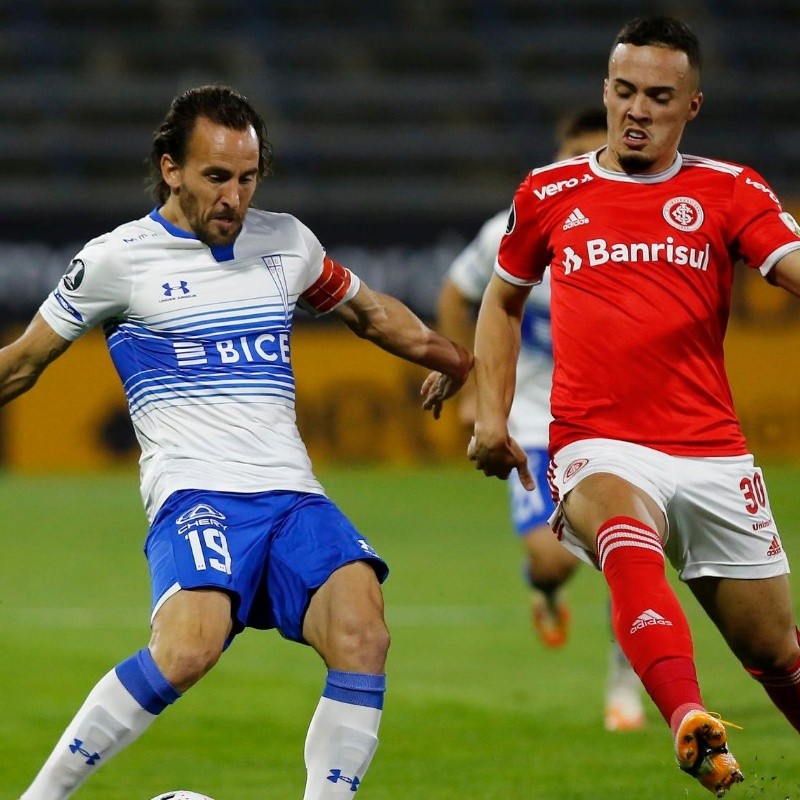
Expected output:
(552, 189)
(600, 251)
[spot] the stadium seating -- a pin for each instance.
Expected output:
(422, 110)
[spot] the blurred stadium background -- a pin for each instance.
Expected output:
(398, 127)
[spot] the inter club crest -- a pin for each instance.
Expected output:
(683, 213)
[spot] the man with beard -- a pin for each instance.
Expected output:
(648, 459)
(196, 300)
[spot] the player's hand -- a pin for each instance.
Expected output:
(498, 460)
(436, 388)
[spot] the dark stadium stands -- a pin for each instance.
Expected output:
(424, 112)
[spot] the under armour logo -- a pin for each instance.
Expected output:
(336, 776)
(91, 758)
(183, 286)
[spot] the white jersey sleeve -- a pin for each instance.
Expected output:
(471, 272)
(473, 267)
(96, 287)
(329, 283)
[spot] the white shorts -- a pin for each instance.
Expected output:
(719, 521)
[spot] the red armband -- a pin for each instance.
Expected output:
(331, 286)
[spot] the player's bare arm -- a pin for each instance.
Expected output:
(497, 343)
(456, 320)
(786, 273)
(24, 360)
(392, 326)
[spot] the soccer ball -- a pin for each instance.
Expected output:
(181, 794)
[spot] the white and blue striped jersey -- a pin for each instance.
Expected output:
(471, 271)
(200, 337)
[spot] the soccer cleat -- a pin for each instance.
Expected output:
(551, 621)
(702, 751)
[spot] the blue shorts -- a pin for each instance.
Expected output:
(270, 551)
(531, 509)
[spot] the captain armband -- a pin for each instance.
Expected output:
(330, 288)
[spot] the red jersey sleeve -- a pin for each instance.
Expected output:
(524, 252)
(762, 231)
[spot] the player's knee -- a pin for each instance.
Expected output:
(371, 639)
(360, 647)
(186, 663)
(766, 651)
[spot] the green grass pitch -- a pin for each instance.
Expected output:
(476, 709)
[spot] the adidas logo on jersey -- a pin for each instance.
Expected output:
(775, 548)
(648, 618)
(575, 218)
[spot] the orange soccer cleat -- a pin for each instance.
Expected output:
(701, 750)
(551, 620)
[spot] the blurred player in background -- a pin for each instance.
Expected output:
(647, 454)
(196, 300)
(548, 563)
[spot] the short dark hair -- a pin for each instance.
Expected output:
(587, 120)
(220, 104)
(661, 32)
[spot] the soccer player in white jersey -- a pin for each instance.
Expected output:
(648, 459)
(548, 564)
(196, 300)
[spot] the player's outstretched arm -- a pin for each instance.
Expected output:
(456, 320)
(24, 360)
(786, 273)
(392, 326)
(497, 344)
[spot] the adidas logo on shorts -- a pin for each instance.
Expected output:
(775, 548)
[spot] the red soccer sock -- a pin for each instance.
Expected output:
(783, 688)
(648, 620)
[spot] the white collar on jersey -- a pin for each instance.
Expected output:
(611, 175)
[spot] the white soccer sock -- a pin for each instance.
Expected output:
(108, 721)
(342, 738)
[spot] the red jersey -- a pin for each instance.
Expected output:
(641, 274)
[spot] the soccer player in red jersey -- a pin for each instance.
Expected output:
(648, 460)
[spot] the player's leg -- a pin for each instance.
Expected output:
(345, 625)
(189, 629)
(616, 497)
(757, 620)
(649, 622)
(625, 527)
(188, 634)
(737, 568)
(548, 564)
(324, 581)
(623, 702)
